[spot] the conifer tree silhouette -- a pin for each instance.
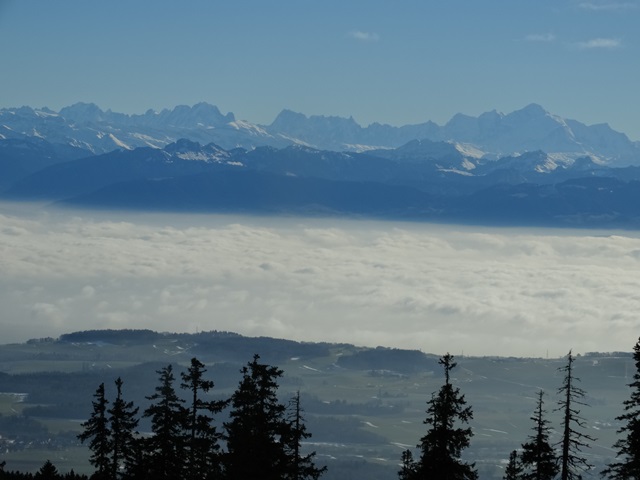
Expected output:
(627, 464)
(538, 456)
(442, 445)
(202, 446)
(166, 447)
(255, 430)
(96, 429)
(572, 462)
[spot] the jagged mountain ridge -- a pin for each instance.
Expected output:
(492, 134)
(88, 127)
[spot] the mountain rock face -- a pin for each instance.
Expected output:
(86, 126)
(533, 128)
(182, 116)
(491, 135)
(337, 133)
(528, 167)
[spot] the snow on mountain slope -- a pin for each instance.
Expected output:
(469, 150)
(187, 150)
(86, 126)
(118, 142)
(491, 135)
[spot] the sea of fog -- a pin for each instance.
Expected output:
(437, 288)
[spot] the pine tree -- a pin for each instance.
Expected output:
(96, 430)
(443, 443)
(71, 475)
(138, 465)
(256, 426)
(408, 466)
(514, 468)
(627, 464)
(48, 471)
(538, 456)
(572, 462)
(166, 447)
(123, 421)
(301, 467)
(202, 442)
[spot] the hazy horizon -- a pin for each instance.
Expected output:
(437, 288)
(378, 61)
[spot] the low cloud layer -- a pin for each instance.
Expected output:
(476, 291)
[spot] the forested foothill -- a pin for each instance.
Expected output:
(376, 413)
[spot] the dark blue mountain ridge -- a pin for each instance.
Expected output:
(585, 202)
(420, 181)
(435, 167)
(90, 173)
(246, 191)
(185, 157)
(592, 202)
(20, 157)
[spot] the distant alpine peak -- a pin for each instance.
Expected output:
(533, 109)
(492, 134)
(287, 117)
(81, 110)
(201, 114)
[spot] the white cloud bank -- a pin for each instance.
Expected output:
(436, 288)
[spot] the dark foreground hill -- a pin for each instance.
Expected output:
(362, 405)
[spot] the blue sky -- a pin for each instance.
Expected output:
(391, 61)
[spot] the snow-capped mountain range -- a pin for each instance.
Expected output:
(491, 135)
(84, 125)
(528, 167)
